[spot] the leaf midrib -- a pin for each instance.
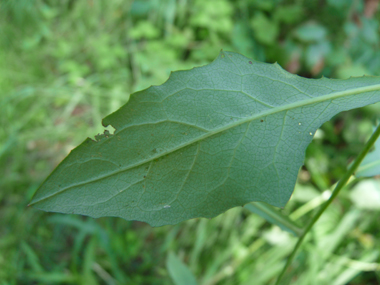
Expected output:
(265, 113)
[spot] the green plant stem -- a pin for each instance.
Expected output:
(335, 193)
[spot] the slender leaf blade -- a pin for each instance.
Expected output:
(371, 163)
(209, 139)
(275, 217)
(179, 272)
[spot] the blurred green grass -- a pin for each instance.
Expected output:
(65, 65)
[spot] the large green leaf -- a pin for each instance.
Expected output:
(209, 139)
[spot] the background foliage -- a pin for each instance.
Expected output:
(64, 65)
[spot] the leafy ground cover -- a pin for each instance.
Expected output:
(64, 66)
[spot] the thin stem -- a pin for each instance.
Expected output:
(335, 193)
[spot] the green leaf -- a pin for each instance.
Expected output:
(289, 14)
(311, 32)
(209, 139)
(275, 217)
(179, 272)
(265, 30)
(366, 195)
(371, 163)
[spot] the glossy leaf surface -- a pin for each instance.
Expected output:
(208, 139)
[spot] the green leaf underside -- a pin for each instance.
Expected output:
(209, 139)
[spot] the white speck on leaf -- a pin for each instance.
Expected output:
(166, 206)
(299, 124)
(311, 133)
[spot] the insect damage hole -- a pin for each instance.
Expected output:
(108, 131)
